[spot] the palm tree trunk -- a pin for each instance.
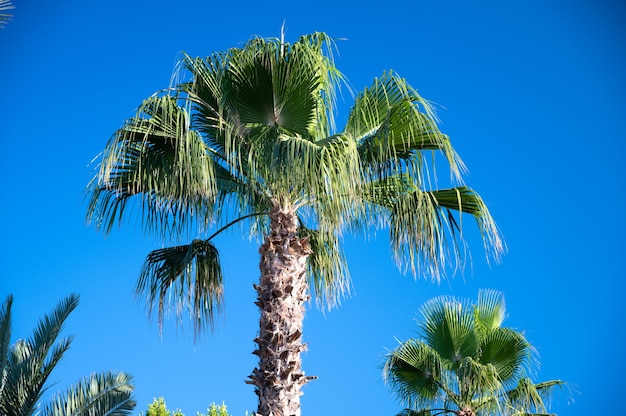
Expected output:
(282, 293)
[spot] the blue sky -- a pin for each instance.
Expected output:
(532, 94)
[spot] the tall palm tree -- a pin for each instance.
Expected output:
(26, 365)
(466, 363)
(246, 136)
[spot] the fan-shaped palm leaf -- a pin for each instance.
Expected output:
(449, 329)
(414, 371)
(481, 364)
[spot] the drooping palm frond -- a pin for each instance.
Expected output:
(531, 399)
(393, 126)
(190, 275)
(157, 157)
(327, 267)
(395, 129)
(100, 394)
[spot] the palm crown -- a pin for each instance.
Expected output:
(253, 129)
(466, 363)
(248, 135)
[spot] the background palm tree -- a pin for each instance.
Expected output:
(466, 363)
(26, 365)
(247, 136)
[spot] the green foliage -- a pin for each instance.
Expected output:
(251, 128)
(159, 408)
(248, 132)
(215, 410)
(465, 360)
(26, 365)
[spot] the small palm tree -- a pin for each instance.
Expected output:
(246, 136)
(26, 365)
(466, 363)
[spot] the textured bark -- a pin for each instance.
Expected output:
(282, 293)
(466, 412)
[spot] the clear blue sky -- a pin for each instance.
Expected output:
(532, 94)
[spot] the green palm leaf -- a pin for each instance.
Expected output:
(481, 364)
(490, 310)
(415, 372)
(191, 273)
(393, 124)
(30, 361)
(327, 266)
(106, 394)
(449, 329)
(157, 156)
(507, 350)
(530, 398)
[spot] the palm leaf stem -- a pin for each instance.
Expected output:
(233, 222)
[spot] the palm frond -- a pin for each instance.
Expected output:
(449, 329)
(508, 351)
(190, 275)
(5, 340)
(490, 310)
(419, 233)
(394, 125)
(416, 374)
(5, 17)
(32, 360)
(157, 157)
(477, 380)
(101, 394)
(327, 267)
(465, 200)
(530, 398)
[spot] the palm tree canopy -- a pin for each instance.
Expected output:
(248, 129)
(25, 368)
(465, 359)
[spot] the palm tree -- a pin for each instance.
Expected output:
(466, 363)
(246, 136)
(26, 365)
